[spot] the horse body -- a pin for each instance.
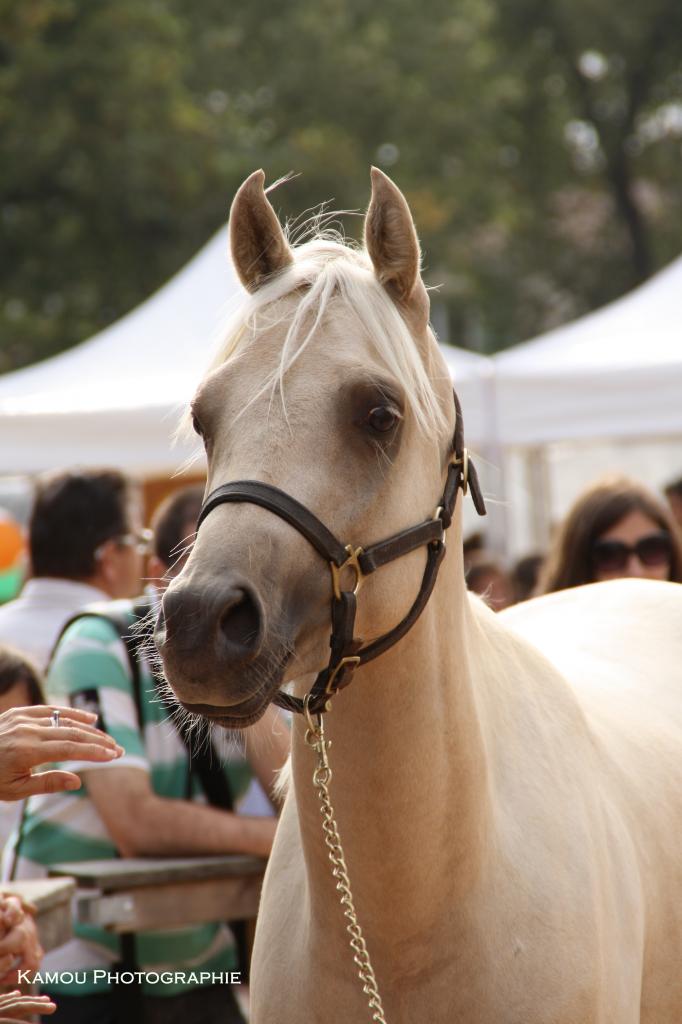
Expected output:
(549, 868)
(507, 788)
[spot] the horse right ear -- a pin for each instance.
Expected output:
(393, 247)
(259, 248)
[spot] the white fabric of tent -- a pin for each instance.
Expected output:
(116, 398)
(615, 373)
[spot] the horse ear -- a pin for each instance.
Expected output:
(392, 243)
(259, 248)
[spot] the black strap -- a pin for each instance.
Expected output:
(373, 650)
(257, 493)
(400, 544)
(348, 654)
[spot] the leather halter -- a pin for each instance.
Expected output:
(348, 652)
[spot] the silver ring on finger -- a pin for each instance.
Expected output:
(54, 718)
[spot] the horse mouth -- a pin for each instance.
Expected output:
(238, 716)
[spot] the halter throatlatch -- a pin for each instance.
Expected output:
(347, 652)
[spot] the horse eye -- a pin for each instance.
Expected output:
(198, 429)
(383, 418)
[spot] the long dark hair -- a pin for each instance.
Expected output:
(15, 668)
(569, 562)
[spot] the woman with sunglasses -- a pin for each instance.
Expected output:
(615, 528)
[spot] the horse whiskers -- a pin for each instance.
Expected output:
(181, 551)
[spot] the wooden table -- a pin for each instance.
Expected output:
(52, 900)
(132, 895)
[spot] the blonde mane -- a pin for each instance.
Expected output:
(324, 268)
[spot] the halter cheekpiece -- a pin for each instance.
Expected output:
(346, 652)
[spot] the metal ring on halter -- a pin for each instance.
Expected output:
(54, 718)
(350, 563)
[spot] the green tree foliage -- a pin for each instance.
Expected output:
(538, 142)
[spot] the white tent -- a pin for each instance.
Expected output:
(115, 399)
(601, 394)
(616, 373)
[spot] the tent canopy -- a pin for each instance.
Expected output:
(616, 373)
(116, 398)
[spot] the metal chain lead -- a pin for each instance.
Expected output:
(322, 775)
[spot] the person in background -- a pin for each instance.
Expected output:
(147, 805)
(615, 528)
(673, 492)
(524, 576)
(85, 545)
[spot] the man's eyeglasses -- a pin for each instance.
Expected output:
(140, 540)
(612, 555)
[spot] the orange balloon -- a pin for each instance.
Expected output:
(12, 544)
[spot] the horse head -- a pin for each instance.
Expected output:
(331, 388)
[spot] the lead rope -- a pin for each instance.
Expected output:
(322, 776)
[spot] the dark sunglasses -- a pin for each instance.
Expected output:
(612, 555)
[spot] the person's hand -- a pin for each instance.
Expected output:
(20, 948)
(14, 1006)
(11, 912)
(28, 739)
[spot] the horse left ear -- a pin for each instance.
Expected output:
(392, 243)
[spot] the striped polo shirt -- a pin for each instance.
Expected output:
(91, 670)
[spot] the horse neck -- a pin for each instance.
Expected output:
(409, 774)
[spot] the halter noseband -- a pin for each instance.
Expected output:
(347, 652)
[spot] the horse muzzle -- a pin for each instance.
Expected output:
(211, 639)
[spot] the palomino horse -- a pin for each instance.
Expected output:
(508, 789)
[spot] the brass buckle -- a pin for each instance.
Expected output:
(352, 659)
(464, 463)
(350, 563)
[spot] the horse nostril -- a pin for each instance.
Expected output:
(241, 623)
